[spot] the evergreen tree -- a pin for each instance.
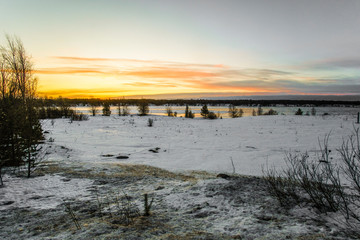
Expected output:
(187, 111)
(204, 111)
(299, 112)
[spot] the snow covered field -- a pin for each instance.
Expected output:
(91, 160)
(197, 144)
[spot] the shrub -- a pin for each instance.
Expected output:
(191, 114)
(313, 111)
(150, 122)
(271, 112)
(212, 115)
(299, 112)
(169, 111)
(188, 112)
(93, 110)
(143, 107)
(147, 205)
(79, 117)
(234, 112)
(281, 187)
(319, 179)
(124, 111)
(259, 111)
(106, 109)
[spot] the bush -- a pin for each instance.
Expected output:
(143, 108)
(299, 112)
(234, 112)
(318, 179)
(106, 109)
(150, 122)
(281, 187)
(125, 111)
(313, 111)
(188, 112)
(79, 117)
(212, 115)
(271, 112)
(169, 112)
(93, 110)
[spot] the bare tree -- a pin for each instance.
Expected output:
(20, 129)
(143, 107)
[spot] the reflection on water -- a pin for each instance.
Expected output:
(223, 110)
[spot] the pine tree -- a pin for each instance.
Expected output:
(204, 111)
(187, 111)
(299, 112)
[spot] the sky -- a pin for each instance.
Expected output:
(188, 48)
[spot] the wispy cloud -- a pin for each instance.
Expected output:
(67, 59)
(83, 92)
(154, 75)
(334, 64)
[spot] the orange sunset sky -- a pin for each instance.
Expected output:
(182, 49)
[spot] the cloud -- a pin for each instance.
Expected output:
(69, 59)
(72, 70)
(152, 84)
(154, 75)
(169, 73)
(82, 92)
(328, 64)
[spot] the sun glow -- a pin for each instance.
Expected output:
(75, 77)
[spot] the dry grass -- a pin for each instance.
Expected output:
(119, 170)
(148, 171)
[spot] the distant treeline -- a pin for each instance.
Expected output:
(46, 102)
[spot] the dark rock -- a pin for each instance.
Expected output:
(159, 188)
(122, 157)
(154, 150)
(7, 203)
(223, 175)
(107, 155)
(203, 214)
(35, 197)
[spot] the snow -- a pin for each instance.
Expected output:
(44, 192)
(198, 144)
(209, 204)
